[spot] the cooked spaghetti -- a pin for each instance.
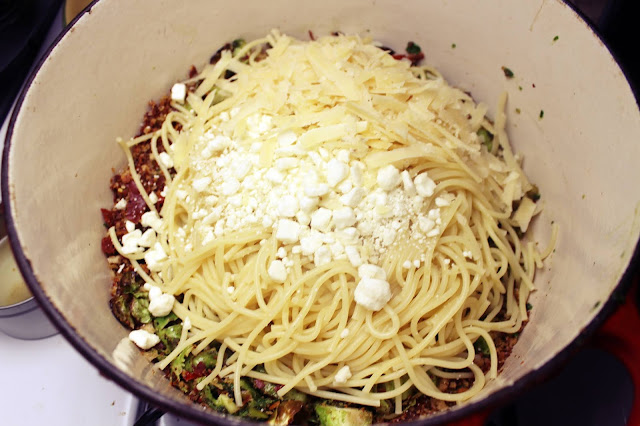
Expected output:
(341, 222)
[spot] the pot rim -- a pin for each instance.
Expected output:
(191, 412)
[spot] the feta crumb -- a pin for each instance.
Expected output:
(186, 324)
(230, 186)
(336, 172)
(322, 256)
(143, 339)
(201, 184)
(371, 271)
(344, 333)
(321, 218)
(274, 176)
(416, 263)
(442, 202)
(152, 220)
(231, 289)
(286, 163)
(129, 226)
(353, 197)
(311, 243)
(121, 204)
(342, 375)
(277, 271)
(147, 238)
(165, 159)
(468, 254)
(424, 185)
(372, 293)
(407, 264)
(288, 231)
(281, 253)
(343, 218)
(353, 255)
(153, 198)
(446, 261)
(317, 190)
(160, 305)
(356, 173)
(388, 177)
(288, 206)
(154, 257)
(409, 187)
(179, 92)
(130, 242)
(120, 268)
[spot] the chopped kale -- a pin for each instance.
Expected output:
(529, 306)
(161, 322)
(541, 113)
(140, 309)
(481, 346)
(534, 193)
(556, 38)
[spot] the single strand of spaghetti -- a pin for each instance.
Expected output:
(216, 370)
(136, 177)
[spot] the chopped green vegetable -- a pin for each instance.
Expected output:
(140, 309)
(520, 88)
(486, 138)
(541, 113)
(177, 365)
(507, 72)
(329, 415)
(237, 44)
(529, 306)
(208, 357)
(412, 48)
(170, 336)
(518, 111)
(453, 45)
(161, 322)
(481, 346)
(556, 38)
(120, 309)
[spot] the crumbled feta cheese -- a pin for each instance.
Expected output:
(388, 177)
(353, 255)
(153, 198)
(409, 187)
(344, 333)
(152, 220)
(372, 293)
(322, 256)
(307, 204)
(407, 264)
(356, 174)
(186, 324)
(343, 217)
(165, 159)
(342, 375)
(371, 271)
(353, 197)
(321, 218)
(336, 172)
(230, 186)
(129, 226)
(288, 231)
(442, 202)
(130, 242)
(179, 92)
(277, 271)
(121, 204)
(154, 257)
(446, 261)
(317, 190)
(143, 339)
(416, 263)
(286, 163)
(231, 289)
(201, 184)
(274, 176)
(311, 243)
(147, 238)
(468, 254)
(424, 185)
(288, 206)
(160, 304)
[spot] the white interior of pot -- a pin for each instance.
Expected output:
(96, 83)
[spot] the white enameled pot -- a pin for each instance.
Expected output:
(96, 80)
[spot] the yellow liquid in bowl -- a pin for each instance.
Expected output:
(12, 287)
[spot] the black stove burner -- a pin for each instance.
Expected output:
(23, 26)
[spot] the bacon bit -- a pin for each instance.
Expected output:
(107, 246)
(108, 217)
(199, 370)
(415, 58)
(259, 384)
(136, 206)
(312, 36)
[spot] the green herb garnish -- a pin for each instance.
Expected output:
(486, 138)
(529, 306)
(412, 48)
(541, 113)
(556, 38)
(507, 72)
(453, 45)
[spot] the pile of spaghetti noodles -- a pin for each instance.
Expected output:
(451, 253)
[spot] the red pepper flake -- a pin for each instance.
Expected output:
(108, 217)
(312, 36)
(259, 384)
